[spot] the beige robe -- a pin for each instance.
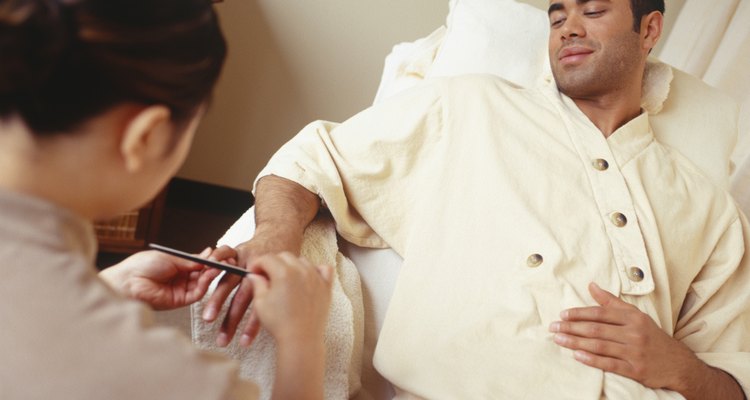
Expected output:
(505, 203)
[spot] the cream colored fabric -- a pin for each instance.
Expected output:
(700, 123)
(344, 332)
(467, 178)
(378, 270)
(711, 40)
(66, 335)
(408, 63)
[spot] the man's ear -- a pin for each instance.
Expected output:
(651, 29)
(145, 137)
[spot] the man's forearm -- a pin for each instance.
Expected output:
(283, 209)
(708, 383)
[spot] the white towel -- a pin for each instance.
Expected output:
(345, 331)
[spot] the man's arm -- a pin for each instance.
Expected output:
(363, 168)
(283, 209)
(618, 338)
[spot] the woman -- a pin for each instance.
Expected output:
(99, 101)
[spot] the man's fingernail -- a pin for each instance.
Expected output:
(222, 340)
(209, 314)
(245, 340)
(581, 356)
(559, 338)
(554, 327)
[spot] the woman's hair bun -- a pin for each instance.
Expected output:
(33, 35)
(65, 61)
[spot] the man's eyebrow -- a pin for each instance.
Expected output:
(554, 7)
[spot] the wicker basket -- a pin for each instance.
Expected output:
(122, 227)
(131, 231)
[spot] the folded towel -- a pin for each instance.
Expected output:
(345, 331)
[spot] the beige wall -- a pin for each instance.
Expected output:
(292, 62)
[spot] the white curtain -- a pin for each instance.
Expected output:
(711, 40)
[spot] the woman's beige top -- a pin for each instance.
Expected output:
(64, 334)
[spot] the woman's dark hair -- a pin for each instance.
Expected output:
(65, 61)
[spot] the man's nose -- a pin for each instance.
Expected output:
(572, 27)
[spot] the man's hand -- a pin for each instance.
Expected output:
(163, 281)
(283, 209)
(243, 255)
(617, 337)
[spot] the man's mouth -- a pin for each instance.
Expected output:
(573, 55)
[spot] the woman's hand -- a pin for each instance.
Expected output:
(163, 281)
(292, 300)
(291, 296)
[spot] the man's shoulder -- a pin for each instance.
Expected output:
(483, 82)
(462, 88)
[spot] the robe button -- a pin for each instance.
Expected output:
(534, 260)
(635, 274)
(601, 164)
(619, 219)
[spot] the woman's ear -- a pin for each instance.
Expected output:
(146, 137)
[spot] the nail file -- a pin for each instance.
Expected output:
(200, 260)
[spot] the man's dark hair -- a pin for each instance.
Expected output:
(641, 8)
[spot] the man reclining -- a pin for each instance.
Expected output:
(552, 248)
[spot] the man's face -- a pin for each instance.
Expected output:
(593, 49)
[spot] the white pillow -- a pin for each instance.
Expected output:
(501, 37)
(408, 64)
(701, 123)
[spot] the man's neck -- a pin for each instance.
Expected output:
(610, 112)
